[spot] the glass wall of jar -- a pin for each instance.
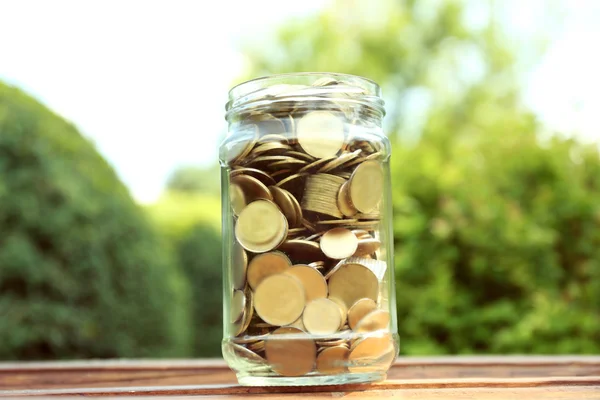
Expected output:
(307, 227)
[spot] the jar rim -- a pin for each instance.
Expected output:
(252, 92)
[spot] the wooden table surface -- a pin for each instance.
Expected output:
(564, 377)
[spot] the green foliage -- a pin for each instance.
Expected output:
(199, 255)
(191, 179)
(82, 273)
(497, 227)
(190, 223)
(497, 238)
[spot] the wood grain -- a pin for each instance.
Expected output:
(447, 377)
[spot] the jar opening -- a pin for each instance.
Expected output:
(313, 86)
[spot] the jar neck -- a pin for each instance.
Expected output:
(280, 93)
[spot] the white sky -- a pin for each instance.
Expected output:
(147, 80)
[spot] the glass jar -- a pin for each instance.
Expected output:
(307, 227)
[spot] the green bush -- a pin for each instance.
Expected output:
(82, 273)
(497, 237)
(199, 255)
(189, 222)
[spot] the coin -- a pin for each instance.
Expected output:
(367, 246)
(302, 251)
(252, 188)
(313, 281)
(239, 264)
(317, 164)
(238, 303)
(283, 200)
(271, 148)
(378, 267)
(366, 186)
(338, 243)
(352, 282)
(344, 203)
(365, 353)
(266, 264)
(359, 309)
(373, 321)
(298, 324)
(261, 226)
(294, 356)
(255, 173)
(320, 133)
(246, 354)
(256, 346)
(321, 317)
(279, 299)
(242, 326)
(268, 125)
(333, 360)
(343, 309)
(339, 161)
(237, 198)
(293, 184)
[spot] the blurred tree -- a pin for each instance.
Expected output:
(497, 226)
(191, 179)
(190, 223)
(82, 272)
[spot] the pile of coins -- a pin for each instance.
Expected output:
(306, 270)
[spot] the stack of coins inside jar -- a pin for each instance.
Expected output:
(307, 271)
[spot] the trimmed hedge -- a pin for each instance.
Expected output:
(82, 273)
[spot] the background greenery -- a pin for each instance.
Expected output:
(497, 222)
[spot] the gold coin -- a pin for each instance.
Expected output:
(366, 186)
(339, 161)
(292, 164)
(301, 156)
(317, 264)
(322, 317)
(343, 310)
(337, 222)
(261, 226)
(281, 198)
(373, 321)
(378, 267)
(294, 356)
(315, 165)
(297, 208)
(279, 299)
(367, 246)
(252, 188)
(352, 282)
(333, 360)
(320, 134)
(266, 264)
(255, 173)
(239, 261)
(235, 151)
(362, 234)
(313, 281)
(237, 198)
(271, 148)
(273, 138)
(359, 309)
(281, 174)
(338, 243)
(246, 354)
(293, 184)
(301, 251)
(241, 326)
(344, 203)
(238, 304)
(257, 346)
(365, 353)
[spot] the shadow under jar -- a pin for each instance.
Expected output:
(307, 227)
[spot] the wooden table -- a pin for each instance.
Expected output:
(410, 378)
